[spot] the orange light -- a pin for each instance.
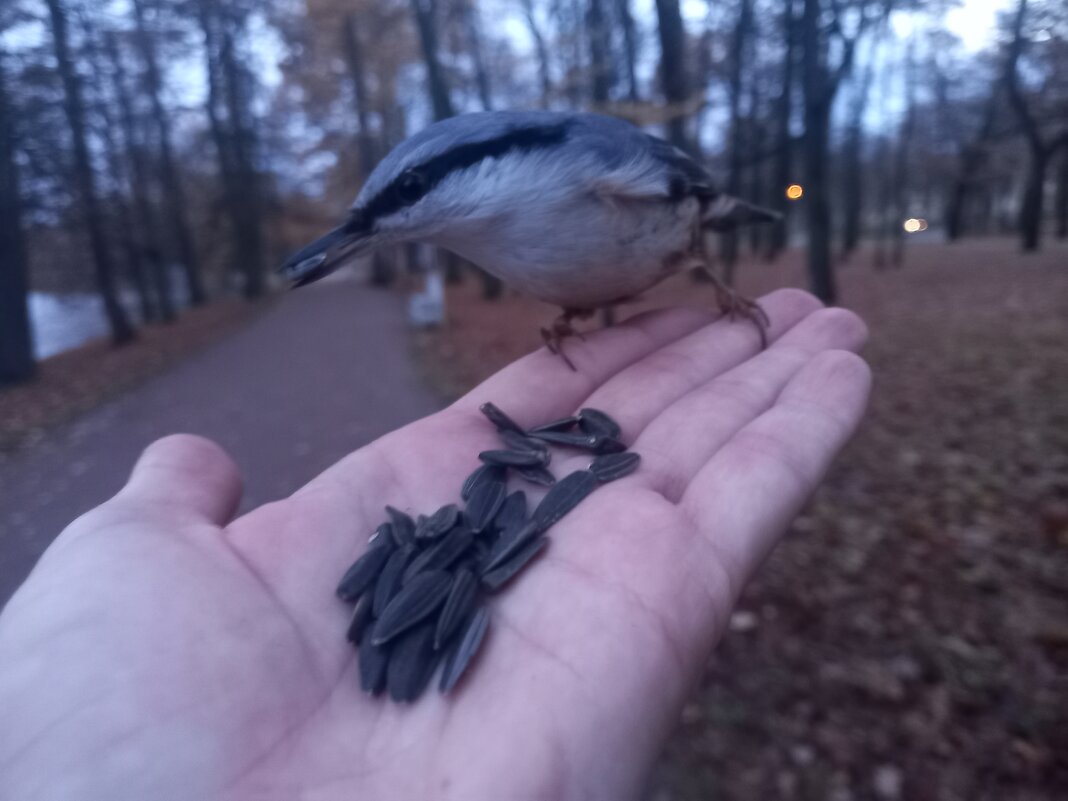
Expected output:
(914, 224)
(794, 191)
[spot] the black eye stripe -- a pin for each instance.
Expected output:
(393, 197)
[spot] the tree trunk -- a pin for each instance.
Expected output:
(249, 219)
(474, 39)
(600, 69)
(121, 329)
(673, 76)
(144, 210)
(173, 193)
(542, 50)
(901, 168)
(426, 22)
(783, 169)
(852, 152)
(817, 125)
(630, 48)
(1030, 221)
(1061, 203)
(969, 161)
(383, 268)
(1031, 208)
(16, 336)
(739, 43)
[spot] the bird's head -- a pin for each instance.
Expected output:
(448, 173)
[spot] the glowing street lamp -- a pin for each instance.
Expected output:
(914, 224)
(794, 191)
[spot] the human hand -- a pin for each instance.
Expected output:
(162, 650)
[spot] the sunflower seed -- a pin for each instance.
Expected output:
(403, 526)
(373, 661)
(513, 510)
(597, 423)
(389, 580)
(361, 616)
(564, 496)
(511, 542)
(536, 475)
(515, 458)
(458, 605)
(487, 473)
(566, 438)
(563, 424)
(441, 555)
(412, 661)
(383, 535)
(607, 445)
(614, 465)
(438, 523)
(465, 649)
(521, 442)
(500, 576)
(483, 505)
(499, 418)
(417, 600)
(362, 573)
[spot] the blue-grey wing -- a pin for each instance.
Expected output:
(637, 164)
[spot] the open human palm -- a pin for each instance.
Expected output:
(161, 649)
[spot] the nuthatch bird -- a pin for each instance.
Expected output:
(579, 210)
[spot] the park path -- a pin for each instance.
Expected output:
(324, 371)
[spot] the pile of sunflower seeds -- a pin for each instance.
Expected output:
(417, 593)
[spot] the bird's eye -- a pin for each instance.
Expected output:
(411, 186)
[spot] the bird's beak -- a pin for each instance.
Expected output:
(327, 253)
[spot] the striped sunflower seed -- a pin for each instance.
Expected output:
(510, 543)
(521, 442)
(361, 616)
(536, 475)
(614, 465)
(461, 600)
(607, 445)
(464, 650)
(412, 662)
(363, 573)
(514, 509)
(389, 580)
(597, 423)
(439, 523)
(373, 661)
(383, 535)
(403, 526)
(515, 458)
(499, 418)
(483, 505)
(563, 424)
(564, 496)
(573, 440)
(497, 578)
(417, 600)
(487, 473)
(440, 556)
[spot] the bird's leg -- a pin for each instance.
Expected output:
(734, 305)
(561, 329)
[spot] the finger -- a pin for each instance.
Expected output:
(637, 394)
(682, 439)
(187, 475)
(541, 386)
(744, 498)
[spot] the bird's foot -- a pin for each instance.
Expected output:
(734, 305)
(561, 329)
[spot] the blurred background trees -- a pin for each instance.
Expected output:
(165, 153)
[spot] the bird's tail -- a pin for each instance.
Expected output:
(726, 213)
